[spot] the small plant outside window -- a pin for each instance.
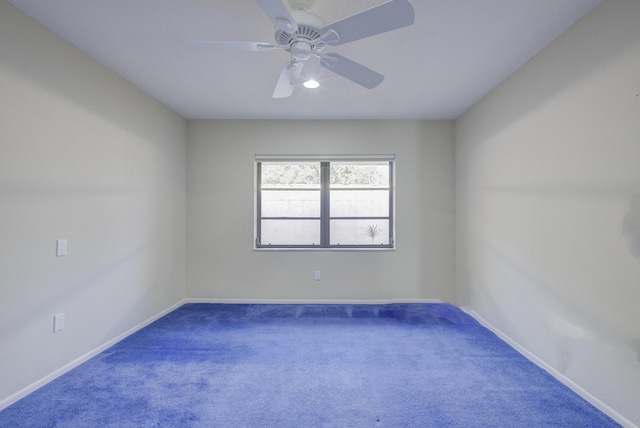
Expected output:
(372, 231)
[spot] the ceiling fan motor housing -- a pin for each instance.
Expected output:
(305, 41)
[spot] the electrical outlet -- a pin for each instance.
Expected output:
(316, 275)
(58, 322)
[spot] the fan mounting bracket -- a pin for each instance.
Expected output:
(307, 40)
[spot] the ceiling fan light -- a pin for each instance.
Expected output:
(311, 84)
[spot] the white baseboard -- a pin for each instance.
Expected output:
(75, 363)
(595, 401)
(308, 301)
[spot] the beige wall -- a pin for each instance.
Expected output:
(221, 261)
(84, 156)
(547, 168)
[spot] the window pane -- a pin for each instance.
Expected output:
(350, 175)
(298, 203)
(360, 232)
(359, 203)
(290, 175)
(290, 232)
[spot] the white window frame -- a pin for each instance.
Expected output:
(325, 190)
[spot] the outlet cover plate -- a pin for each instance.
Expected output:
(61, 247)
(58, 322)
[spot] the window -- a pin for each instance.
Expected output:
(321, 202)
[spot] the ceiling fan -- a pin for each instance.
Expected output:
(305, 35)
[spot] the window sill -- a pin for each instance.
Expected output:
(324, 249)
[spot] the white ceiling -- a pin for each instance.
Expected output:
(455, 53)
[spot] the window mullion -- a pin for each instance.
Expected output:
(325, 182)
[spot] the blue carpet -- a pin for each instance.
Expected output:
(400, 365)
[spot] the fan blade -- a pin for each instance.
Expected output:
(289, 76)
(353, 71)
(232, 46)
(380, 19)
(279, 15)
